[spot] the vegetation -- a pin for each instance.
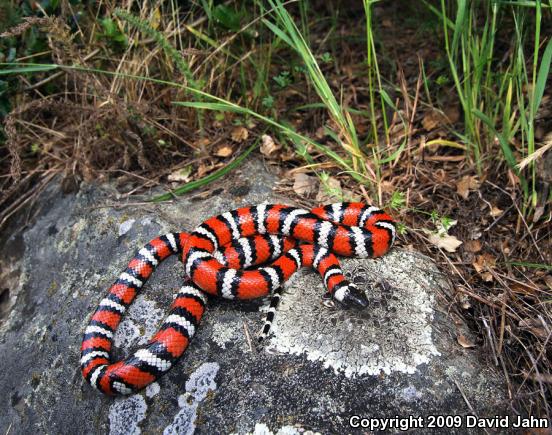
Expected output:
(441, 113)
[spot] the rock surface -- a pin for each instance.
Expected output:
(321, 366)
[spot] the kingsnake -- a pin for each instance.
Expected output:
(216, 255)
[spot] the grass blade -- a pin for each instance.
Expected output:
(188, 187)
(542, 76)
(28, 69)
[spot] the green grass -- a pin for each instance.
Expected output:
(284, 27)
(493, 94)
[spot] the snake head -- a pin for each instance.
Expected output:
(351, 297)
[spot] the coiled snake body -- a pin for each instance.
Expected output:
(215, 256)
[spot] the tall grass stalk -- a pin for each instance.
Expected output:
(374, 79)
(285, 28)
(500, 100)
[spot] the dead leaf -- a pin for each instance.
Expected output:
(482, 264)
(202, 143)
(203, 169)
(464, 341)
(467, 183)
(269, 147)
(431, 120)
(320, 133)
(435, 118)
(387, 187)
(224, 151)
(472, 246)
(535, 326)
(442, 230)
(239, 134)
(484, 261)
(495, 211)
(452, 113)
(155, 19)
(523, 289)
(548, 281)
(181, 175)
(304, 185)
(539, 211)
(486, 276)
(445, 241)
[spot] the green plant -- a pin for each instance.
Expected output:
(326, 57)
(268, 102)
(397, 201)
(283, 80)
(112, 33)
(227, 17)
(495, 103)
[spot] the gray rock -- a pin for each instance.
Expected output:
(321, 366)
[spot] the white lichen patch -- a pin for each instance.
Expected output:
(125, 226)
(145, 221)
(223, 333)
(152, 390)
(126, 414)
(263, 429)
(197, 386)
(139, 324)
(394, 334)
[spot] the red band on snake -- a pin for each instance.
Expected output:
(215, 256)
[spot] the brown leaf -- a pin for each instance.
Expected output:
(486, 276)
(202, 143)
(431, 120)
(465, 342)
(224, 151)
(239, 134)
(446, 241)
(269, 147)
(435, 118)
(467, 183)
(304, 185)
(472, 246)
(535, 326)
(523, 289)
(548, 281)
(452, 113)
(320, 133)
(203, 169)
(484, 261)
(495, 211)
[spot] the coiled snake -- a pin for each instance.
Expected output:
(216, 257)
